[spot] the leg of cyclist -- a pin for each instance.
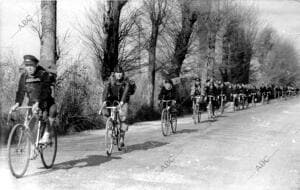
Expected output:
(123, 117)
(49, 114)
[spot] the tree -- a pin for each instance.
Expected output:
(277, 58)
(112, 39)
(189, 16)
(48, 53)
(111, 26)
(156, 11)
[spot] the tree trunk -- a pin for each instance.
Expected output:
(111, 25)
(182, 40)
(219, 48)
(152, 63)
(48, 41)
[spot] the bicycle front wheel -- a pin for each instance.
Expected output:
(18, 150)
(48, 151)
(164, 123)
(109, 141)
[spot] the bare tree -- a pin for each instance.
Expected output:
(112, 39)
(189, 16)
(111, 26)
(48, 53)
(156, 11)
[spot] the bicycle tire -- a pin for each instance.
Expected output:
(52, 146)
(109, 136)
(164, 122)
(12, 144)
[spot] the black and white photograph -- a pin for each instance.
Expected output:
(149, 94)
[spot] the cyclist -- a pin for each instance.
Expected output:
(116, 89)
(36, 83)
(168, 92)
(196, 91)
(210, 90)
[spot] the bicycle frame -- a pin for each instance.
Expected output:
(197, 99)
(167, 107)
(28, 118)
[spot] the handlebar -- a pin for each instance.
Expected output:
(117, 103)
(167, 101)
(198, 97)
(18, 108)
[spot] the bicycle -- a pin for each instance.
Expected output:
(210, 107)
(265, 97)
(112, 127)
(196, 109)
(22, 140)
(167, 118)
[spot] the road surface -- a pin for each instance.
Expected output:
(254, 149)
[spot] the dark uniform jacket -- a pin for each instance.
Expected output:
(116, 90)
(211, 90)
(196, 90)
(167, 94)
(37, 87)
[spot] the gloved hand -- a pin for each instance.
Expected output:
(14, 107)
(35, 108)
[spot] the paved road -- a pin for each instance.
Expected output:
(253, 149)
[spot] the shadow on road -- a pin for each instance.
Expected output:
(187, 131)
(222, 116)
(145, 146)
(89, 161)
(209, 121)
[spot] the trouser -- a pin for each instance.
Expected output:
(124, 117)
(173, 108)
(48, 113)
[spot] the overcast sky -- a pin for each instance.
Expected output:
(283, 15)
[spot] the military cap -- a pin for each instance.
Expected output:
(30, 60)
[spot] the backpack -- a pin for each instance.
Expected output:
(132, 87)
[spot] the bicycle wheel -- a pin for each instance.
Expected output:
(174, 123)
(164, 122)
(48, 151)
(18, 150)
(109, 141)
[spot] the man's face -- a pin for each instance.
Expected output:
(168, 86)
(118, 76)
(30, 69)
(197, 82)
